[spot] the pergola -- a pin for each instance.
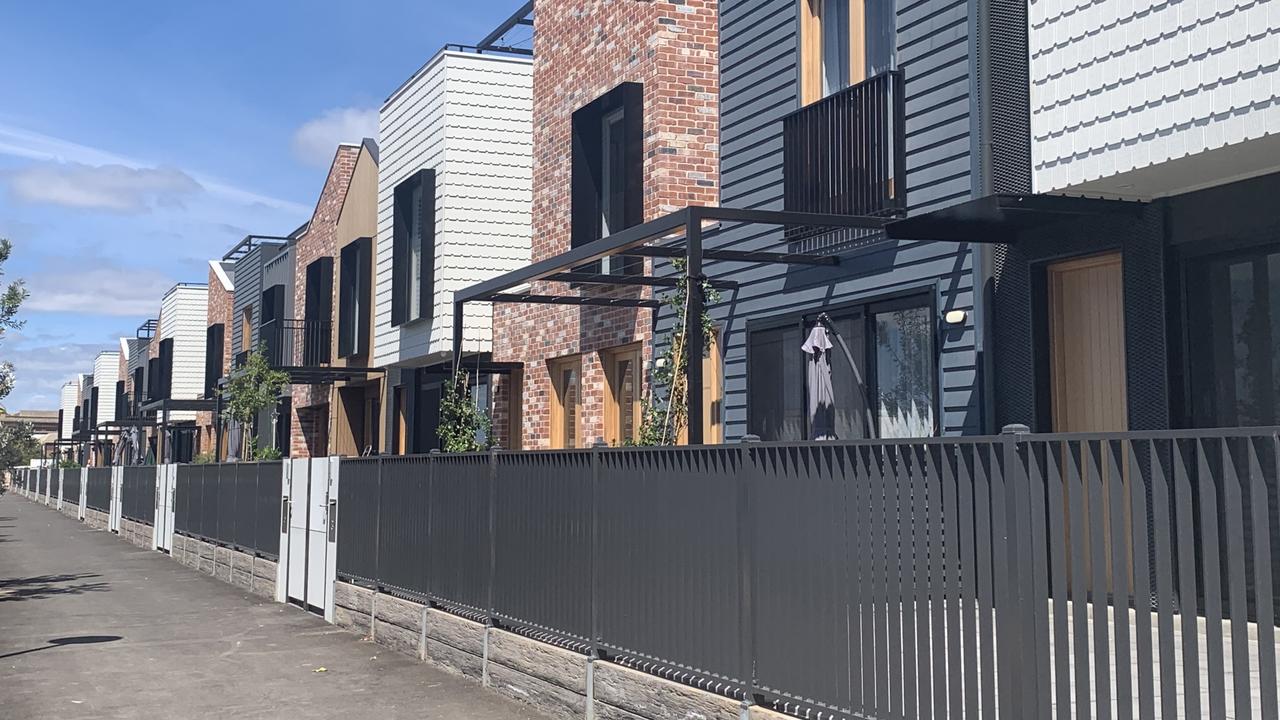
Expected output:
(681, 233)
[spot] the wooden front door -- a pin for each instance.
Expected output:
(1086, 344)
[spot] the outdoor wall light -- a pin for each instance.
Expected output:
(955, 317)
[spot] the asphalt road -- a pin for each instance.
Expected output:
(93, 627)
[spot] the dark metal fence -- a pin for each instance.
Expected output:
(138, 493)
(297, 343)
(71, 486)
(235, 504)
(98, 489)
(1123, 575)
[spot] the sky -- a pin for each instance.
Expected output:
(140, 139)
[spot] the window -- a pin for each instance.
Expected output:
(317, 312)
(271, 334)
(354, 289)
(883, 371)
(608, 171)
(1233, 339)
(712, 395)
(413, 248)
(164, 370)
(622, 368)
(246, 329)
(213, 347)
(566, 383)
(842, 43)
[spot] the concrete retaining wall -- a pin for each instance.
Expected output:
(95, 519)
(70, 510)
(551, 678)
(139, 534)
(255, 574)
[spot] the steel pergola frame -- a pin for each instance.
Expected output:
(683, 230)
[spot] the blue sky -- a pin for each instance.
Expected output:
(140, 139)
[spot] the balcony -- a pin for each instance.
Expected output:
(297, 343)
(845, 155)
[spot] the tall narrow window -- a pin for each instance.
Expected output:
(566, 381)
(904, 364)
(413, 248)
(354, 283)
(608, 171)
(622, 401)
(842, 43)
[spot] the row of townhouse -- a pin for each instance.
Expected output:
(915, 218)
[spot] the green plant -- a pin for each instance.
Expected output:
(68, 464)
(204, 458)
(252, 388)
(17, 444)
(463, 426)
(268, 453)
(664, 409)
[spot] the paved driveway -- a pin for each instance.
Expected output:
(93, 627)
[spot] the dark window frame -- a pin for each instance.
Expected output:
(215, 347)
(869, 307)
(587, 171)
(355, 297)
(425, 181)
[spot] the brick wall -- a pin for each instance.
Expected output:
(219, 311)
(583, 49)
(309, 431)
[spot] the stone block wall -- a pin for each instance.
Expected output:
(255, 574)
(557, 681)
(96, 519)
(140, 534)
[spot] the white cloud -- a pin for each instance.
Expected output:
(114, 187)
(315, 142)
(18, 142)
(98, 288)
(42, 365)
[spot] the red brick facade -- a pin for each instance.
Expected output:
(219, 311)
(309, 428)
(582, 50)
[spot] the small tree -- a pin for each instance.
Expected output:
(252, 388)
(17, 444)
(10, 300)
(463, 426)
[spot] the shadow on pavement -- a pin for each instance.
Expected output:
(46, 586)
(59, 642)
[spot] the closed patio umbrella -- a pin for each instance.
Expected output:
(822, 399)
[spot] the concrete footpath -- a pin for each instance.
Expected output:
(93, 627)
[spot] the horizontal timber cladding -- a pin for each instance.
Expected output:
(1000, 576)
(759, 87)
(236, 505)
(98, 489)
(138, 498)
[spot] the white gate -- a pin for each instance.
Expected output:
(60, 472)
(48, 480)
(117, 487)
(84, 490)
(307, 545)
(162, 529)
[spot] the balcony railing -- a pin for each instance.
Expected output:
(297, 343)
(845, 154)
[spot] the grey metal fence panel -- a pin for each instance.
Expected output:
(243, 534)
(358, 519)
(209, 507)
(98, 489)
(459, 544)
(138, 486)
(267, 522)
(402, 490)
(543, 541)
(182, 498)
(70, 487)
(667, 561)
(228, 487)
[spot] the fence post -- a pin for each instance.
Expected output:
(490, 609)
(748, 474)
(594, 574)
(1019, 609)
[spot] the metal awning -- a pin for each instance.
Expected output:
(680, 234)
(172, 405)
(1001, 218)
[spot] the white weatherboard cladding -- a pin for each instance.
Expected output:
(183, 317)
(106, 371)
(1118, 85)
(468, 117)
(68, 402)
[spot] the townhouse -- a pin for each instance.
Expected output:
(624, 118)
(174, 373)
(453, 209)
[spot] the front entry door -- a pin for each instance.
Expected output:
(1086, 344)
(317, 524)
